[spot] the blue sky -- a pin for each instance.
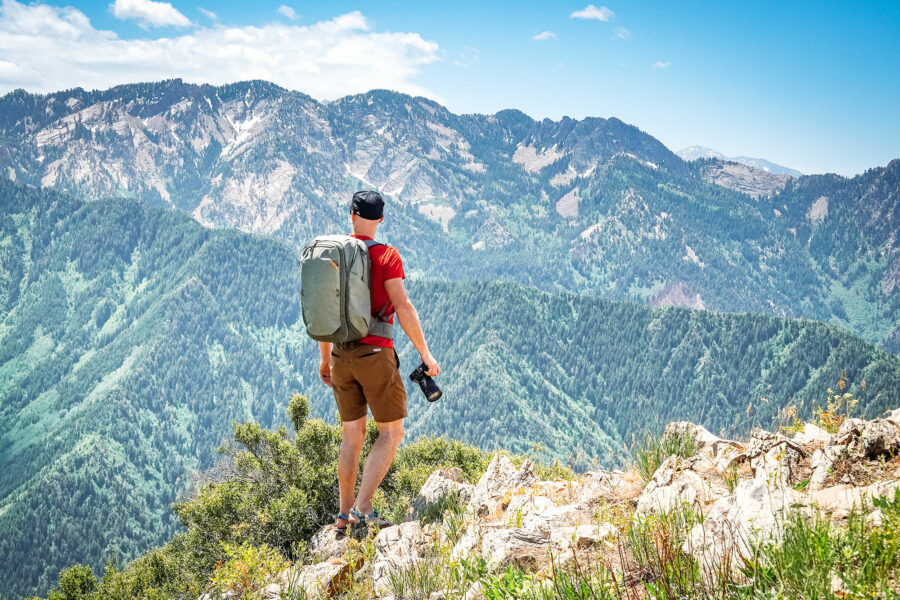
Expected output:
(814, 86)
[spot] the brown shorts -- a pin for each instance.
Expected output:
(363, 374)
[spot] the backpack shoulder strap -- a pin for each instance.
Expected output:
(371, 243)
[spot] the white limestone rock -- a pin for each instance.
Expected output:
(755, 512)
(582, 537)
(441, 483)
(525, 548)
(879, 437)
(811, 434)
(396, 549)
(679, 481)
(501, 477)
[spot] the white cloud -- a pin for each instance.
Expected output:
(149, 13)
(660, 65)
(286, 11)
(622, 33)
(53, 48)
(544, 35)
(208, 14)
(592, 12)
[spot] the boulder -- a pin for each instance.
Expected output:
(329, 542)
(561, 491)
(397, 549)
(822, 461)
(811, 434)
(879, 437)
(523, 548)
(772, 456)
(839, 500)
(328, 578)
(600, 487)
(441, 483)
(848, 432)
(678, 481)
(780, 463)
(539, 513)
(501, 478)
(755, 512)
(894, 416)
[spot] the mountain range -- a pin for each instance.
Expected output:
(593, 206)
(695, 152)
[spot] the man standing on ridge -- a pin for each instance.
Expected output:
(365, 373)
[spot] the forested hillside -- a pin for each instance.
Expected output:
(122, 364)
(592, 206)
(131, 337)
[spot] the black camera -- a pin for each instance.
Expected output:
(429, 387)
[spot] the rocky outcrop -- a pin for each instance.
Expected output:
(743, 491)
(440, 484)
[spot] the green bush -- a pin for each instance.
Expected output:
(247, 571)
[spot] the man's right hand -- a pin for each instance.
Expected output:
(433, 367)
(325, 372)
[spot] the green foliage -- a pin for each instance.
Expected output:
(652, 450)
(278, 490)
(246, 571)
(75, 583)
(865, 559)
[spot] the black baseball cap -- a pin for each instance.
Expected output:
(367, 204)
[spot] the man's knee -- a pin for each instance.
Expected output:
(392, 432)
(354, 432)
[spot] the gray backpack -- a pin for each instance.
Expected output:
(335, 281)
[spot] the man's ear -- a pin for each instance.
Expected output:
(381, 219)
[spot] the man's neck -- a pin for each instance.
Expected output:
(368, 232)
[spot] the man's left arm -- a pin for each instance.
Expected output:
(409, 321)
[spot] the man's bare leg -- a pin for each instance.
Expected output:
(378, 462)
(352, 438)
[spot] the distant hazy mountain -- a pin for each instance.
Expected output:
(131, 337)
(593, 206)
(695, 152)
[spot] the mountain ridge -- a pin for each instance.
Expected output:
(592, 206)
(692, 153)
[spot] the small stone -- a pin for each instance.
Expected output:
(474, 592)
(582, 536)
(811, 434)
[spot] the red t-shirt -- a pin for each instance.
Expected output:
(386, 264)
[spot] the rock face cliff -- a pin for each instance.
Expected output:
(742, 494)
